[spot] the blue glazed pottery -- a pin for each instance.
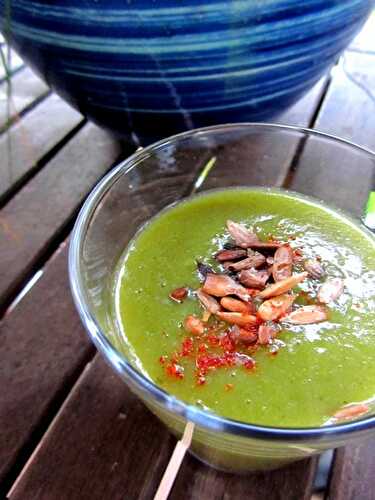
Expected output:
(156, 67)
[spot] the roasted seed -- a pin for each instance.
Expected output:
(352, 411)
(221, 285)
(306, 315)
(330, 290)
(247, 337)
(283, 263)
(237, 318)
(179, 294)
(276, 307)
(234, 254)
(258, 257)
(242, 236)
(253, 261)
(235, 305)
(266, 245)
(208, 302)
(193, 325)
(266, 333)
(227, 265)
(254, 279)
(314, 268)
(282, 286)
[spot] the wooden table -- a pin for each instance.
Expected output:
(69, 428)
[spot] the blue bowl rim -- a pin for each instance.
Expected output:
(201, 417)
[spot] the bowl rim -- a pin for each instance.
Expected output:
(201, 417)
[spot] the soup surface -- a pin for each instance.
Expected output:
(301, 376)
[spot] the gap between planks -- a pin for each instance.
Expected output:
(56, 225)
(16, 116)
(288, 181)
(52, 424)
(27, 282)
(68, 354)
(19, 96)
(41, 162)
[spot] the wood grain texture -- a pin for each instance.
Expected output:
(302, 112)
(196, 482)
(25, 143)
(335, 177)
(350, 97)
(37, 213)
(353, 473)
(42, 349)
(26, 88)
(267, 157)
(103, 445)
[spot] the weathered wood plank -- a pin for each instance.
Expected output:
(195, 481)
(122, 452)
(29, 222)
(353, 473)
(302, 112)
(346, 112)
(26, 88)
(267, 158)
(24, 144)
(347, 108)
(42, 348)
(104, 444)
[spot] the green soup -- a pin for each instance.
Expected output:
(319, 367)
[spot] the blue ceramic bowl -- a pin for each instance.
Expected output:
(159, 67)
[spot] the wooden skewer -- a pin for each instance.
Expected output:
(174, 464)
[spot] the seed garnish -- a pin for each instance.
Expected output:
(246, 304)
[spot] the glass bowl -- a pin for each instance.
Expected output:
(306, 161)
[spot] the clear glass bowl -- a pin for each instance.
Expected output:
(246, 154)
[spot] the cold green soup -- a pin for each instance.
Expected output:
(299, 378)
